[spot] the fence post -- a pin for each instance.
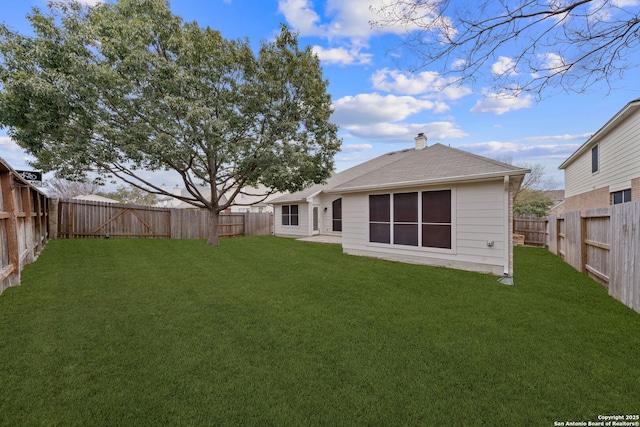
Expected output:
(583, 243)
(11, 230)
(53, 218)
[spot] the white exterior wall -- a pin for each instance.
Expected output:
(252, 208)
(326, 218)
(479, 214)
(303, 229)
(619, 162)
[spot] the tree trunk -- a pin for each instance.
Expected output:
(214, 231)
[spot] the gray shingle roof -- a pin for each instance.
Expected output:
(436, 163)
(344, 176)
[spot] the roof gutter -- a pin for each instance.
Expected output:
(445, 180)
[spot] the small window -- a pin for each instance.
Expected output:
(290, 215)
(594, 159)
(622, 196)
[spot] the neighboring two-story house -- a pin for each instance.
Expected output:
(605, 170)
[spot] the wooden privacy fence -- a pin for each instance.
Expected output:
(534, 230)
(88, 219)
(603, 243)
(24, 229)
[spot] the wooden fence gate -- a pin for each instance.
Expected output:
(85, 219)
(88, 219)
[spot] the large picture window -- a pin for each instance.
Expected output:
(290, 215)
(411, 219)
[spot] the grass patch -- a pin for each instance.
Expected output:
(272, 331)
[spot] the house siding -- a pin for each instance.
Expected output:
(478, 216)
(303, 227)
(619, 166)
(326, 218)
(599, 198)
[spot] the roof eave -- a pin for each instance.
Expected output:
(445, 180)
(612, 123)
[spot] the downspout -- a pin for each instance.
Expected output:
(310, 214)
(508, 250)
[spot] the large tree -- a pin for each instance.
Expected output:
(119, 89)
(526, 45)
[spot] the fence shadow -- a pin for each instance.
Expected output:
(602, 243)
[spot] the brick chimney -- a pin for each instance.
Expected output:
(421, 141)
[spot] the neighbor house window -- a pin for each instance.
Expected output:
(411, 219)
(336, 216)
(622, 196)
(594, 159)
(290, 215)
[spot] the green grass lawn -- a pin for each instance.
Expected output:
(272, 331)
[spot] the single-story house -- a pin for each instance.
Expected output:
(432, 205)
(95, 198)
(250, 199)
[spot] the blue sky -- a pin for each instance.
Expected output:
(378, 106)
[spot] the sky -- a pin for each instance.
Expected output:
(378, 106)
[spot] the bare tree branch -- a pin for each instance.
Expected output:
(566, 44)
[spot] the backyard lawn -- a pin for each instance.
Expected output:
(273, 331)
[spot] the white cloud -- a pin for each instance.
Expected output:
(86, 2)
(495, 149)
(458, 64)
(405, 132)
(564, 137)
(500, 104)
(15, 156)
(626, 3)
(551, 63)
(300, 15)
(428, 83)
(504, 66)
(342, 56)
(370, 108)
(354, 148)
(340, 18)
